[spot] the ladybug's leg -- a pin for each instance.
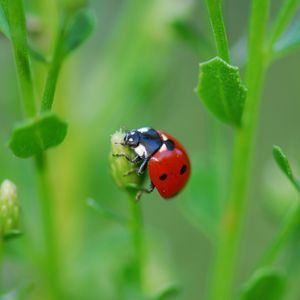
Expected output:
(144, 190)
(134, 160)
(140, 170)
(143, 166)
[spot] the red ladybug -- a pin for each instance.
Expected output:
(168, 163)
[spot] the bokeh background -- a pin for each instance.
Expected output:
(140, 68)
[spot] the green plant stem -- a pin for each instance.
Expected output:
(55, 67)
(217, 23)
(51, 261)
(280, 240)
(282, 20)
(14, 11)
(136, 229)
(232, 220)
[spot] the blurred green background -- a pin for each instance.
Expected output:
(138, 69)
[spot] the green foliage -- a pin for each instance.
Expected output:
(36, 135)
(266, 284)
(221, 90)
(79, 28)
(283, 163)
(289, 41)
(108, 84)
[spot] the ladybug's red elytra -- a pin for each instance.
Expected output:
(168, 163)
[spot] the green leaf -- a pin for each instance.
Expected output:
(283, 163)
(222, 91)
(266, 284)
(37, 135)
(4, 28)
(289, 41)
(168, 292)
(79, 29)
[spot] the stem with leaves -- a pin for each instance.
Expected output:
(16, 18)
(293, 217)
(54, 69)
(284, 16)
(232, 220)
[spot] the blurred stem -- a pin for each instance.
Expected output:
(51, 262)
(282, 20)
(232, 219)
(14, 11)
(217, 23)
(136, 229)
(280, 240)
(54, 69)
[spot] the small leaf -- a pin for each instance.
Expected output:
(79, 29)
(266, 284)
(283, 163)
(105, 212)
(37, 135)
(169, 291)
(290, 39)
(222, 91)
(4, 28)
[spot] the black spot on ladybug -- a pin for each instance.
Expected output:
(169, 144)
(183, 169)
(163, 176)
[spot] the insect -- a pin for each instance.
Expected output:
(167, 161)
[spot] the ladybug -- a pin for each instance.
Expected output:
(167, 161)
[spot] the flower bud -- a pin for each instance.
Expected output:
(9, 208)
(120, 165)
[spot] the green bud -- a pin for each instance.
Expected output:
(9, 208)
(120, 165)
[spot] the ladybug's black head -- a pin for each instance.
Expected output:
(132, 138)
